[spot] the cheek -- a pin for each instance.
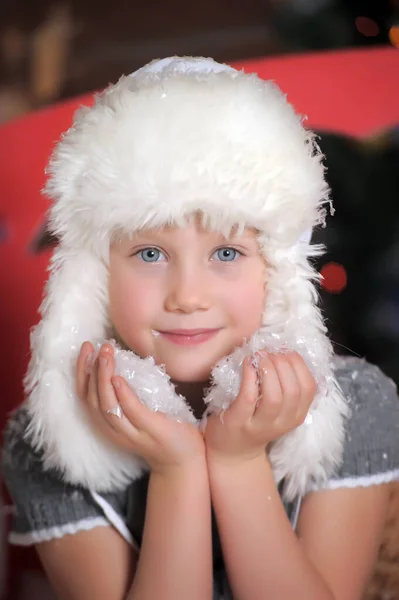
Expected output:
(131, 304)
(250, 307)
(247, 302)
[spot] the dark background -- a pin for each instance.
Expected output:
(53, 49)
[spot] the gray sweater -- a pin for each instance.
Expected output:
(47, 508)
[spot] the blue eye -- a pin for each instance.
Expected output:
(150, 254)
(226, 254)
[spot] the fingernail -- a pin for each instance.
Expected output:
(89, 362)
(116, 384)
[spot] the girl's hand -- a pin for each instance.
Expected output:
(162, 442)
(273, 400)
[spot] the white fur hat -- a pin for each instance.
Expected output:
(179, 136)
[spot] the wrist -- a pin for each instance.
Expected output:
(236, 461)
(187, 483)
(189, 469)
(245, 469)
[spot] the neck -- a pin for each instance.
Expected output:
(194, 395)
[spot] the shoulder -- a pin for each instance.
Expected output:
(356, 373)
(44, 506)
(371, 448)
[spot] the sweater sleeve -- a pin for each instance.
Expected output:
(46, 507)
(371, 448)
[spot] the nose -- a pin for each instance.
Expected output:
(188, 291)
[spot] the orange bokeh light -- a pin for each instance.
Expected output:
(335, 278)
(394, 35)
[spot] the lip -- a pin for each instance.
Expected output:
(188, 337)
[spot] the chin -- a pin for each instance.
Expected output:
(186, 372)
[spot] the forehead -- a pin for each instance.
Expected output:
(198, 226)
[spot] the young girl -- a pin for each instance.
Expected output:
(216, 449)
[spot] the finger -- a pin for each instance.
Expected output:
(305, 377)
(111, 410)
(307, 384)
(106, 367)
(290, 388)
(92, 395)
(108, 403)
(83, 366)
(242, 408)
(271, 394)
(135, 411)
(118, 422)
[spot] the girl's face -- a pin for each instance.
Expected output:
(186, 296)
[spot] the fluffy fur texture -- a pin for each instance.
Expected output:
(180, 136)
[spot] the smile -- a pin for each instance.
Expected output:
(189, 337)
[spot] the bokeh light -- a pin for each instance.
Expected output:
(394, 35)
(367, 26)
(334, 276)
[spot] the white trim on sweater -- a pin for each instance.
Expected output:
(44, 535)
(362, 481)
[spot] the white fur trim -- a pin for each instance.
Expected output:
(174, 139)
(44, 535)
(74, 309)
(354, 482)
(141, 157)
(183, 65)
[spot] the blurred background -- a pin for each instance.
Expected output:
(337, 60)
(55, 49)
